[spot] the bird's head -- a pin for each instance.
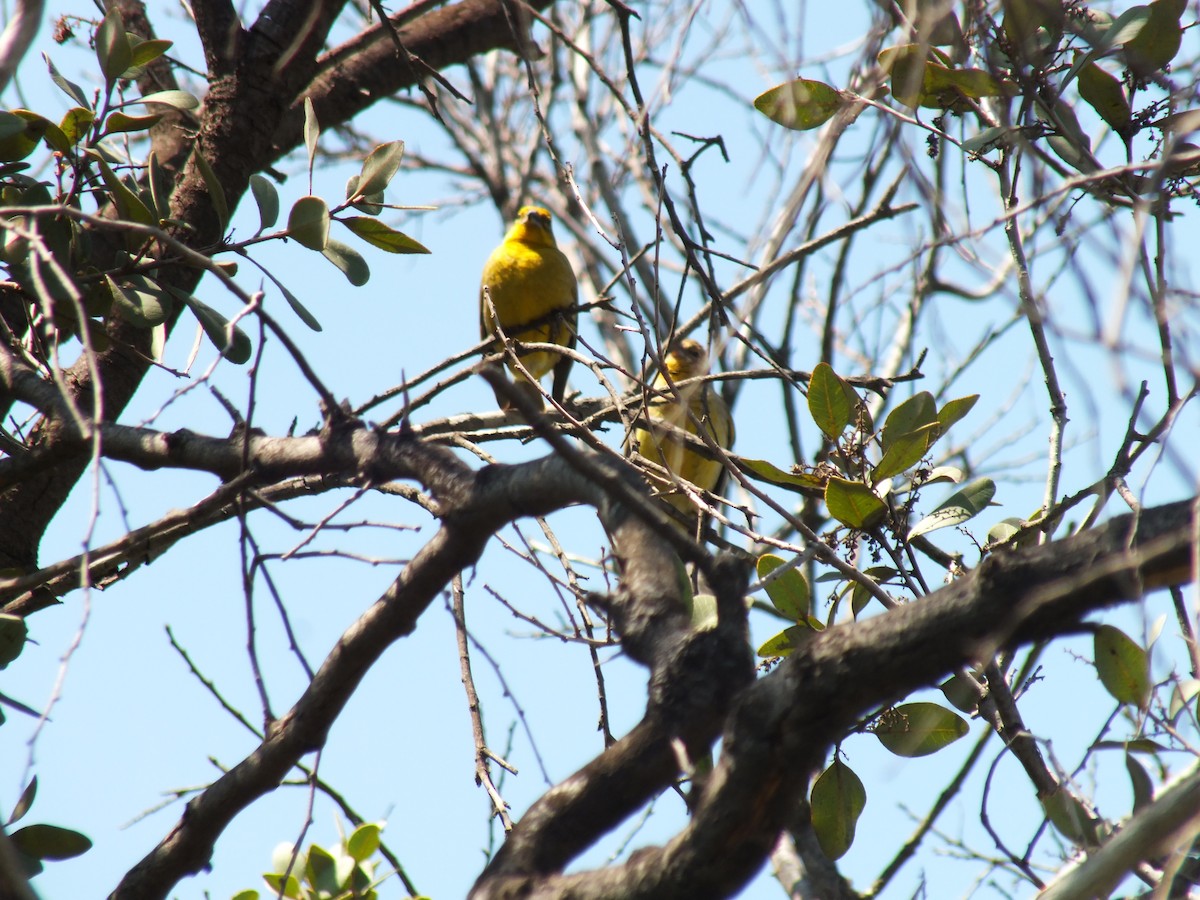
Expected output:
(686, 359)
(532, 226)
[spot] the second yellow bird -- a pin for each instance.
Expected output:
(527, 279)
(689, 408)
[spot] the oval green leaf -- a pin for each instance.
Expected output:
(349, 260)
(1104, 93)
(1123, 666)
(785, 642)
(853, 503)
(308, 222)
(267, 199)
(918, 729)
(801, 104)
(173, 99)
(958, 507)
(119, 123)
(216, 191)
(50, 842)
(829, 401)
(789, 591)
(379, 168)
(231, 341)
(13, 632)
(113, 51)
(838, 799)
(1159, 39)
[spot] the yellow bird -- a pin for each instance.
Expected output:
(689, 408)
(527, 279)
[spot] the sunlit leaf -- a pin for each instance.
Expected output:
(174, 99)
(955, 410)
(379, 235)
(1123, 666)
(113, 51)
(958, 507)
(142, 308)
(916, 412)
(801, 104)
(785, 642)
(312, 131)
(308, 222)
(829, 401)
(76, 122)
(789, 591)
(1159, 39)
(853, 503)
(918, 729)
(379, 168)
(906, 450)
(761, 470)
(1103, 93)
(838, 799)
(145, 52)
(70, 88)
(119, 123)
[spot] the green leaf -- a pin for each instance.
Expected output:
(13, 632)
(918, 411)
(785, 642)
(988, 139)
(70, 88)
(173, 99)
(801, 104)
(24, 801)
(267, 199)
(1143, 787)
(829, 401)
(22, 139)
(761, 470)
(838, 799)
(246, 895)
(1126, 28)
(1123, 666)
(299, 308)
(50, 842)
(703, 611)
(349, 260)
(853, 503)
(308, 222)
(789, 591)
(918, 729)
(955, 410)
(906, 450)
(160, 187)
(860, 595)
(142, 308)
(958, 507)
(371, 204)
(379, 168)
(1004, 530)
(1103, 93)
(112, 47)
(236, 346)
(312, 131)
(119, 123)
(363, 843)
(1155, 45)
(75, 123)
(321, 870)
(1071, 818)
(216, 191)
(376, 233)
(291, 890)
(961, 693)
(146, 52)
